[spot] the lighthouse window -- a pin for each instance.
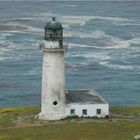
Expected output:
(50, 35)
(55, 103)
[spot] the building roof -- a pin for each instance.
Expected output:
(84, 97)
(53, 25)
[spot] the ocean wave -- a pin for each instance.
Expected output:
(7, 48)
(12, 26)
(23, 19)
(69, 5)
(3, 58)
(134, 41)
(128, 24)
(98, 56)
(18, 27)
(119, 45)
(104, 57)
(93, 34)
(67, 21)
(34, 71)
(109, 40)
(71, 20)
(116, 66)
(82, 20)
(115, 45)
(72, 45)
(68, 18)
(77, 67)
(86, 66)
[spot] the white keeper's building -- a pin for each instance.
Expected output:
(56, 102)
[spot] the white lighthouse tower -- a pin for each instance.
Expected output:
(53, 75)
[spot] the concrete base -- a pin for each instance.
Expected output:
(51, 117)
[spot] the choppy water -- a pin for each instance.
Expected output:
(104, 49)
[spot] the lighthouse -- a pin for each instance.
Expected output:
(56, 102)
(53, 73)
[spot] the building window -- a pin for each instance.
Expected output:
(72, 111)
(98, 111)
(84, 111)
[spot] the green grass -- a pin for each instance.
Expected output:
(118, 130)
(18, 123)
(131, 111)
(11, 115)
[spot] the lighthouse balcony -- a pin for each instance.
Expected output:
(52, 46)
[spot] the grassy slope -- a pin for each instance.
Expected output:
(21, 118)
(133, 111)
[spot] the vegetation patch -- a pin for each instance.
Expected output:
(13, 116)
(131, 111)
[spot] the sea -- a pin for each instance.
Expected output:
(103, 39)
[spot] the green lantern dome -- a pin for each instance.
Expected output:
(53, 25)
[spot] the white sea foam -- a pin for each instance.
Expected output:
(7, 48)
(76, 67)
(2, 58)
(69, 5)
(104, 57)
(110, 41)
(73, 21)
(82, 20)
(115, 45)
(134, 41)
(92, 34)
(93, 56)
(66, 26)
(120, 44)
(34, 71)
(128, 24)
(12, 26)
(5, 34)
(74, 45)
(71, 45)
(115, 66)
(23, 19)
(32, 29)
(18, 27)
(2, 41)
(67, 21)
(98, 56)
(46, 14)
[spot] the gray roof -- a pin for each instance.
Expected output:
(53, 25)
(84, 97)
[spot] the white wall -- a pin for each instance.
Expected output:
(53, 85)
(91, 109)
